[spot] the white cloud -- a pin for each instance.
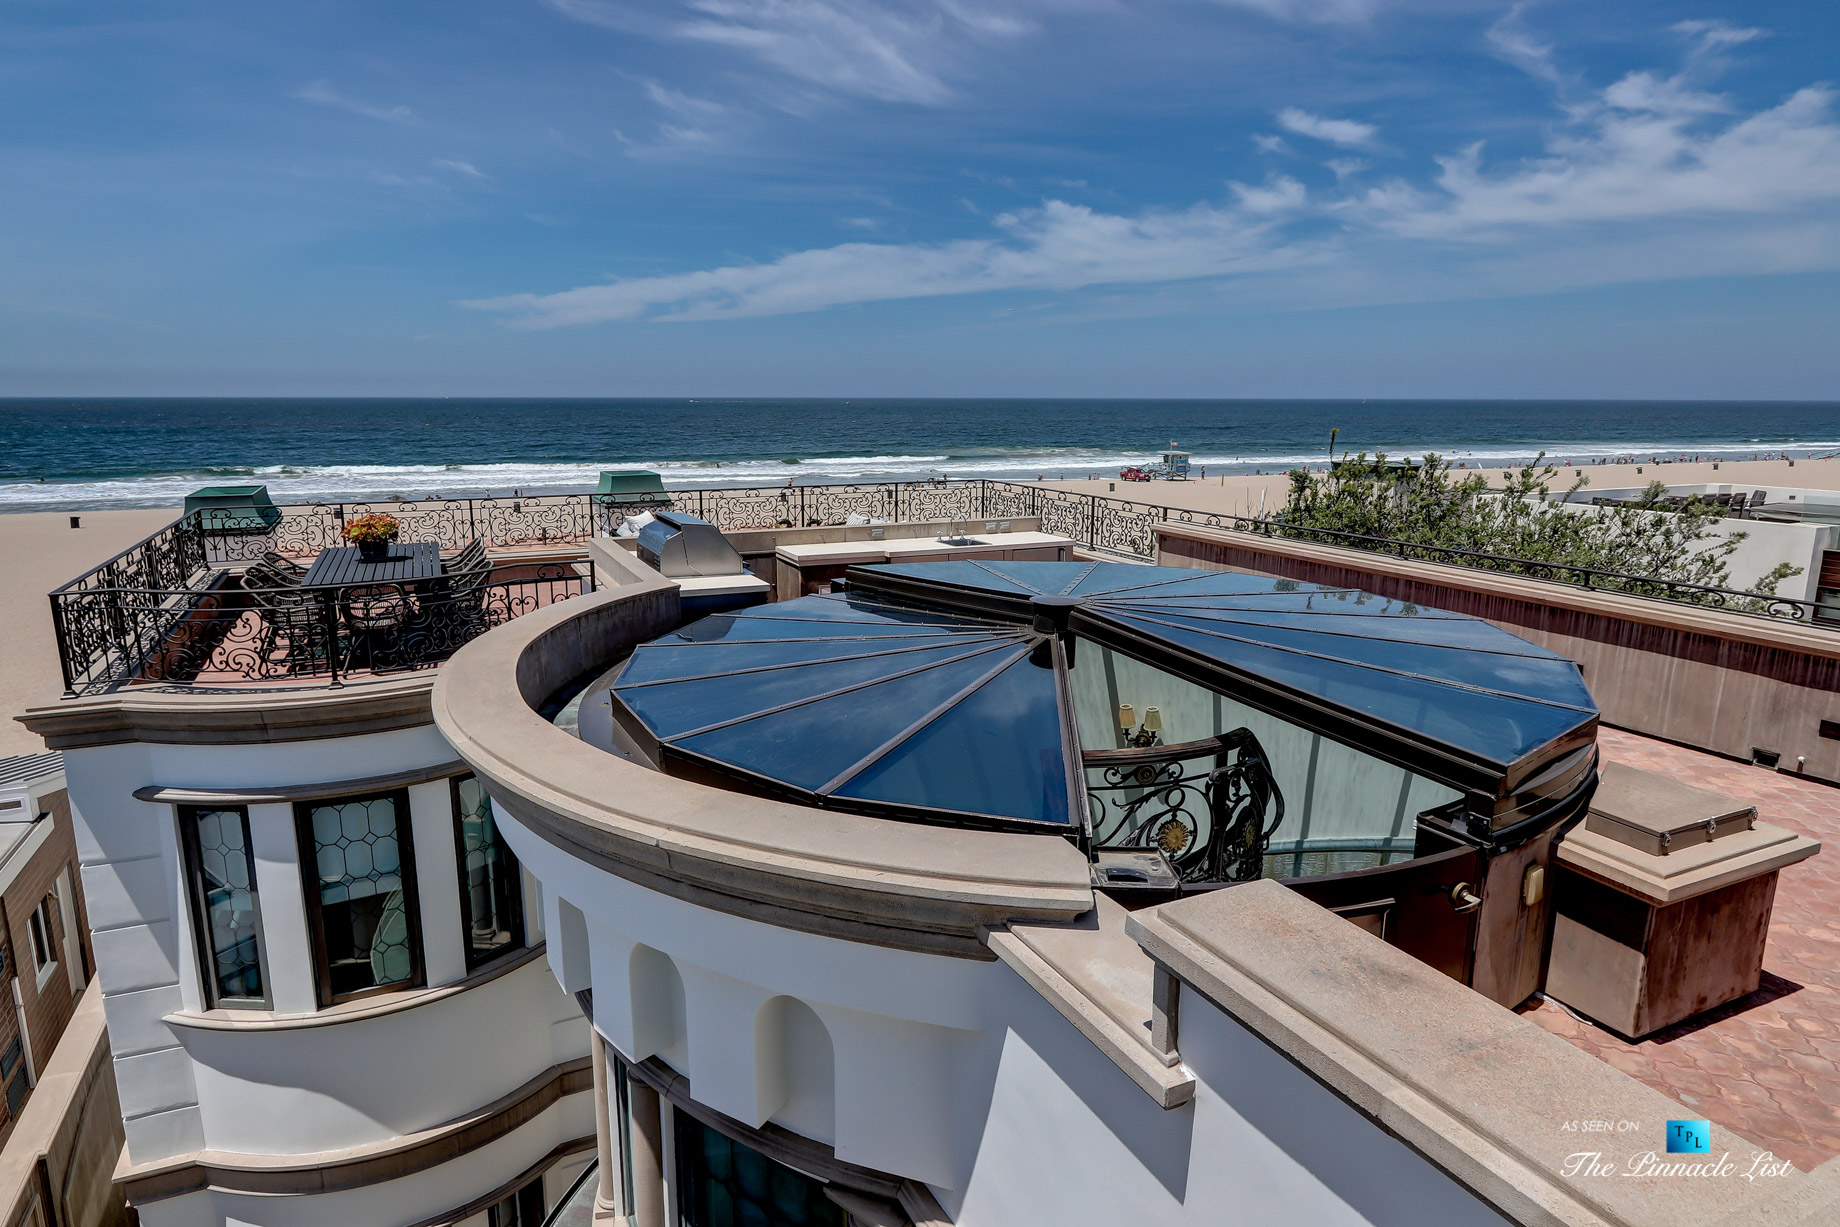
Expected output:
(322, 94)
(1058, 246)
(1327, 11)
(888, 50)
(680, 103)
(464, 168)
(1513, 43)
(1716, 35)
(1351, 133)
(1652, 177)
(1269, 143)
(1642, 150)
(1282, 194)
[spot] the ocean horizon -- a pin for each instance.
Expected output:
(58, 454)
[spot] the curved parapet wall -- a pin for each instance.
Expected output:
(843, 875)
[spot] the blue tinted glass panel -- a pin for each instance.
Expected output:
(963, 575)
(658, 661)
(1124, 579)
(816, 616)
(760, 630)
(672, 708)
(1496, 729)
(854, 608)
(1284, 596)
(998, 752)
(1401, 627)
(1537, 677)
(1048, 578)
(811, 745)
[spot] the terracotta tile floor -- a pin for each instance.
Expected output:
(1766, 1065)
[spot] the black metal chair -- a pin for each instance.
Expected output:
(265, 575)
(283, 565)
(375, 616)
(450, 612)
(298, 635)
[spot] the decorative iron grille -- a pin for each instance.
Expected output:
(168, 606)
(1209, 806)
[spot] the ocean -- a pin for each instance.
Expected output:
(72, 454)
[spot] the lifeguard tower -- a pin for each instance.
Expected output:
(1173, 466)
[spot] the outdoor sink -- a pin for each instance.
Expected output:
(961, 541)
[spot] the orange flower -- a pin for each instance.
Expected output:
(373, 527)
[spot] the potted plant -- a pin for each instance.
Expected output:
(372, 535)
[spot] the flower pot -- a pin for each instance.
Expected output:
(373, 551)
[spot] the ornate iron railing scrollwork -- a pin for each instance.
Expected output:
(228, 635)
(1209, 806)
(114, 618)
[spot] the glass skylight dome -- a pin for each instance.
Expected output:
(995, 694)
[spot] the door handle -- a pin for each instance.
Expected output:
(1464, 899)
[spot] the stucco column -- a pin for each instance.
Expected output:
(647, 1135)
(607, 1189)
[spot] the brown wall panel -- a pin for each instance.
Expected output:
(1716, 681)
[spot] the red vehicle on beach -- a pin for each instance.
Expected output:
(1133, 473)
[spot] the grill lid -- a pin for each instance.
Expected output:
(679, 544)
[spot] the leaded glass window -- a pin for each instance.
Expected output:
(723, 1183)
(225, 906)
(491, 888)
(361, 898)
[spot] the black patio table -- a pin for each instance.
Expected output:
(406, 562)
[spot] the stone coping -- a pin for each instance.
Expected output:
(1102, 982)
(1475, 1088)
(353, 1167)
(1672, 615)
(377, 1006)
(896, 884)
(170, 794)
(1693, 870)
(860, 553)
(755, 541)
(257, 717)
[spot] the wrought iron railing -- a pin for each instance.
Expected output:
(221, 633)
(1208, 806)
(107, 619)
(564, 519)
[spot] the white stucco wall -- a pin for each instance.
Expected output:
(1068, 1139)
(403, 1201)
(298, 1090)
(960, 1075)
(1766, 543)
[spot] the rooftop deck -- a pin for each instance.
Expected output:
(1766, 1065)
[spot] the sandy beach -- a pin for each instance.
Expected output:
(39, 551)
(1245, 493)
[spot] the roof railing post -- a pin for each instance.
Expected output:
(329, 609)
(63, 645)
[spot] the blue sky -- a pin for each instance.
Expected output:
(920, 197)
